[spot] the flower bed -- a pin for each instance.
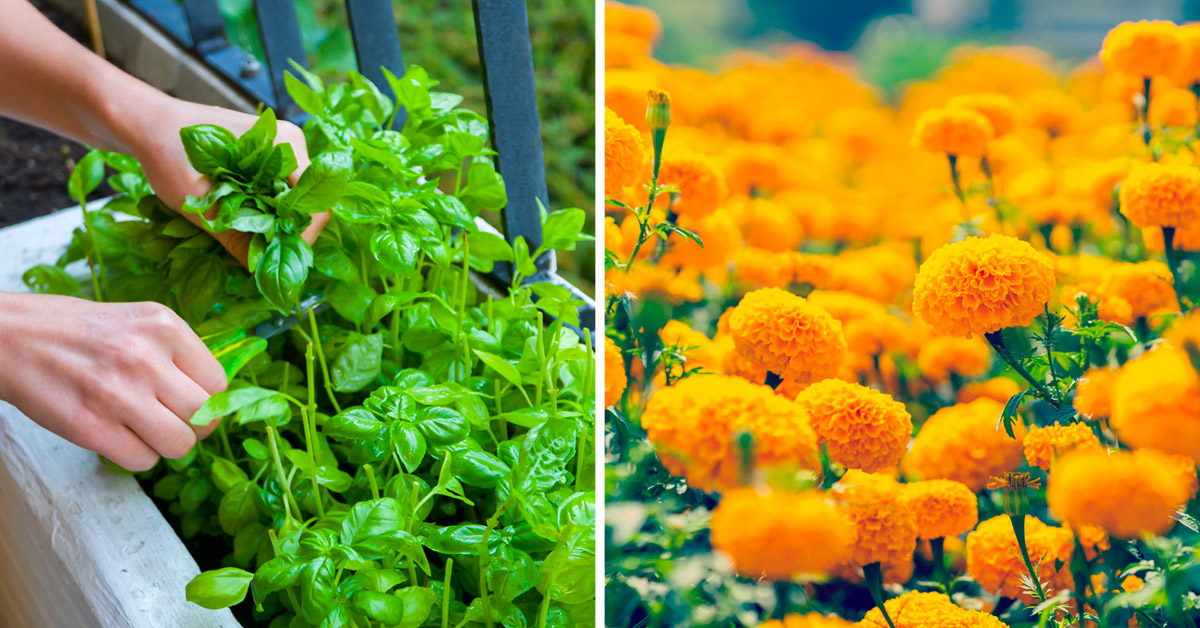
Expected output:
(924, 364)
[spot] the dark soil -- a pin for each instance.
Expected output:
(35, 164)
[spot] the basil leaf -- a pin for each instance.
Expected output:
(219, 588)
(207, 147)
(282, 271)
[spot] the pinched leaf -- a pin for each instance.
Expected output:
(228, 402)
(219, 588)
(282, 270)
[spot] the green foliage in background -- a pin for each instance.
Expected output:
(439, 35)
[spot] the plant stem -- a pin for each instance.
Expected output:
(87, 227)
(958, 191)
(1168, 235)
(938, 548)
(873, 576)
(996, 339)
(309, 418)
(316, 340)
(782, 590)
(446, 594)
(287, 489)
(1145, 112)
(1018, 524)
(371, 480)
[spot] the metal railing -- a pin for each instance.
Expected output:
(505, 54)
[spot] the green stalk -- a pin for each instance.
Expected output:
(446, 594)
(309, 418)
(1018, 524)
(938, 548)
(1146, 116)
(782, 590)
(87, 227)
(954, 178)
(996, 339)
(283, 482)
(1168, 235)
(873, 575)
(485, 559)
(316, 339)
(371, 480)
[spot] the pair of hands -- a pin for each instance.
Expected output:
(123, 379)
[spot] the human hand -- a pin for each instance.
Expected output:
(120, 379)
(155, 142)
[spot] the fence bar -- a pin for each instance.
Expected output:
(206, 25)
(502, 30)
(376, 43)
(281, 42)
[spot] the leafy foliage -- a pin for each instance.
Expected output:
(418, 454)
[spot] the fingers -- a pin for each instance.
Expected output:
(183, 397)
(318, 223)
(128, 450)
(194, 359)
(159, 428)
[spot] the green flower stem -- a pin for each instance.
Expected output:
(1018, 524)
(371, 480)
(1081, 571)
(288, 498)
(954, 178)
(996, 339)
(938, 548)
(309, 418)
(783, 590)
(1168, 235)
(1145, 114)
(873, 575)
(446, 594)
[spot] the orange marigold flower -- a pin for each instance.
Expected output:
(1132, 583)
(1156, 403)
(1093, 393)
(928, 610)
(1000, 110)
(962, 443)
(694, 426)
(614, 374)
(1093, 539)
(787, 335)
(1124, 494)
(954, 131)
(1161, 195)
(811, 620)
(942, 355)
(995, 563)
(868, 327)
(697, 349)
(997, 388)
(1043, 445)
(861, 131)
(1186, 239)
(885, 531)
(981, 285)
(942, 507)
(1146, 286)
(780, 535)
(1050, 110)
(1184, 332)
(701, 185)
(1143, 48)
(1174, 107)
(1182, 467)
(862, 427)
(1189, 67)
(624, 153)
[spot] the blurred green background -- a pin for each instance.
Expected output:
(439, 35)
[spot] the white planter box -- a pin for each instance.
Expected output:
(80, 546)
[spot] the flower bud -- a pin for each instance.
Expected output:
(658, 110)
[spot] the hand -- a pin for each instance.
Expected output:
(154, 141)
(120, 379)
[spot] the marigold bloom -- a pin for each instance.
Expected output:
(1126, 495)
(981, 285)
(780, 535)
(1156, 403)
(994, 561)
(1050, 110)
(885, 531)
(624, 153)
(1143, 48)
(614, 374)
(694, 425)
(787, 335)
(1175, 107)
(942, 507)
(1093, 393)
(956, 131)
(868, 327)
(701, 185)
(810, 620)
(997, 389)
(963, 443)
(697, 349)
(928, 610)
(1184, 332)
(862, 427)
(1161, 195)
(1000, 110)
(1182, 467)
(942, 355)
(1043, 445)
(1189, 66)
(1132, 583)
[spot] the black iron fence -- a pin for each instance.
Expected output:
(505, 53)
